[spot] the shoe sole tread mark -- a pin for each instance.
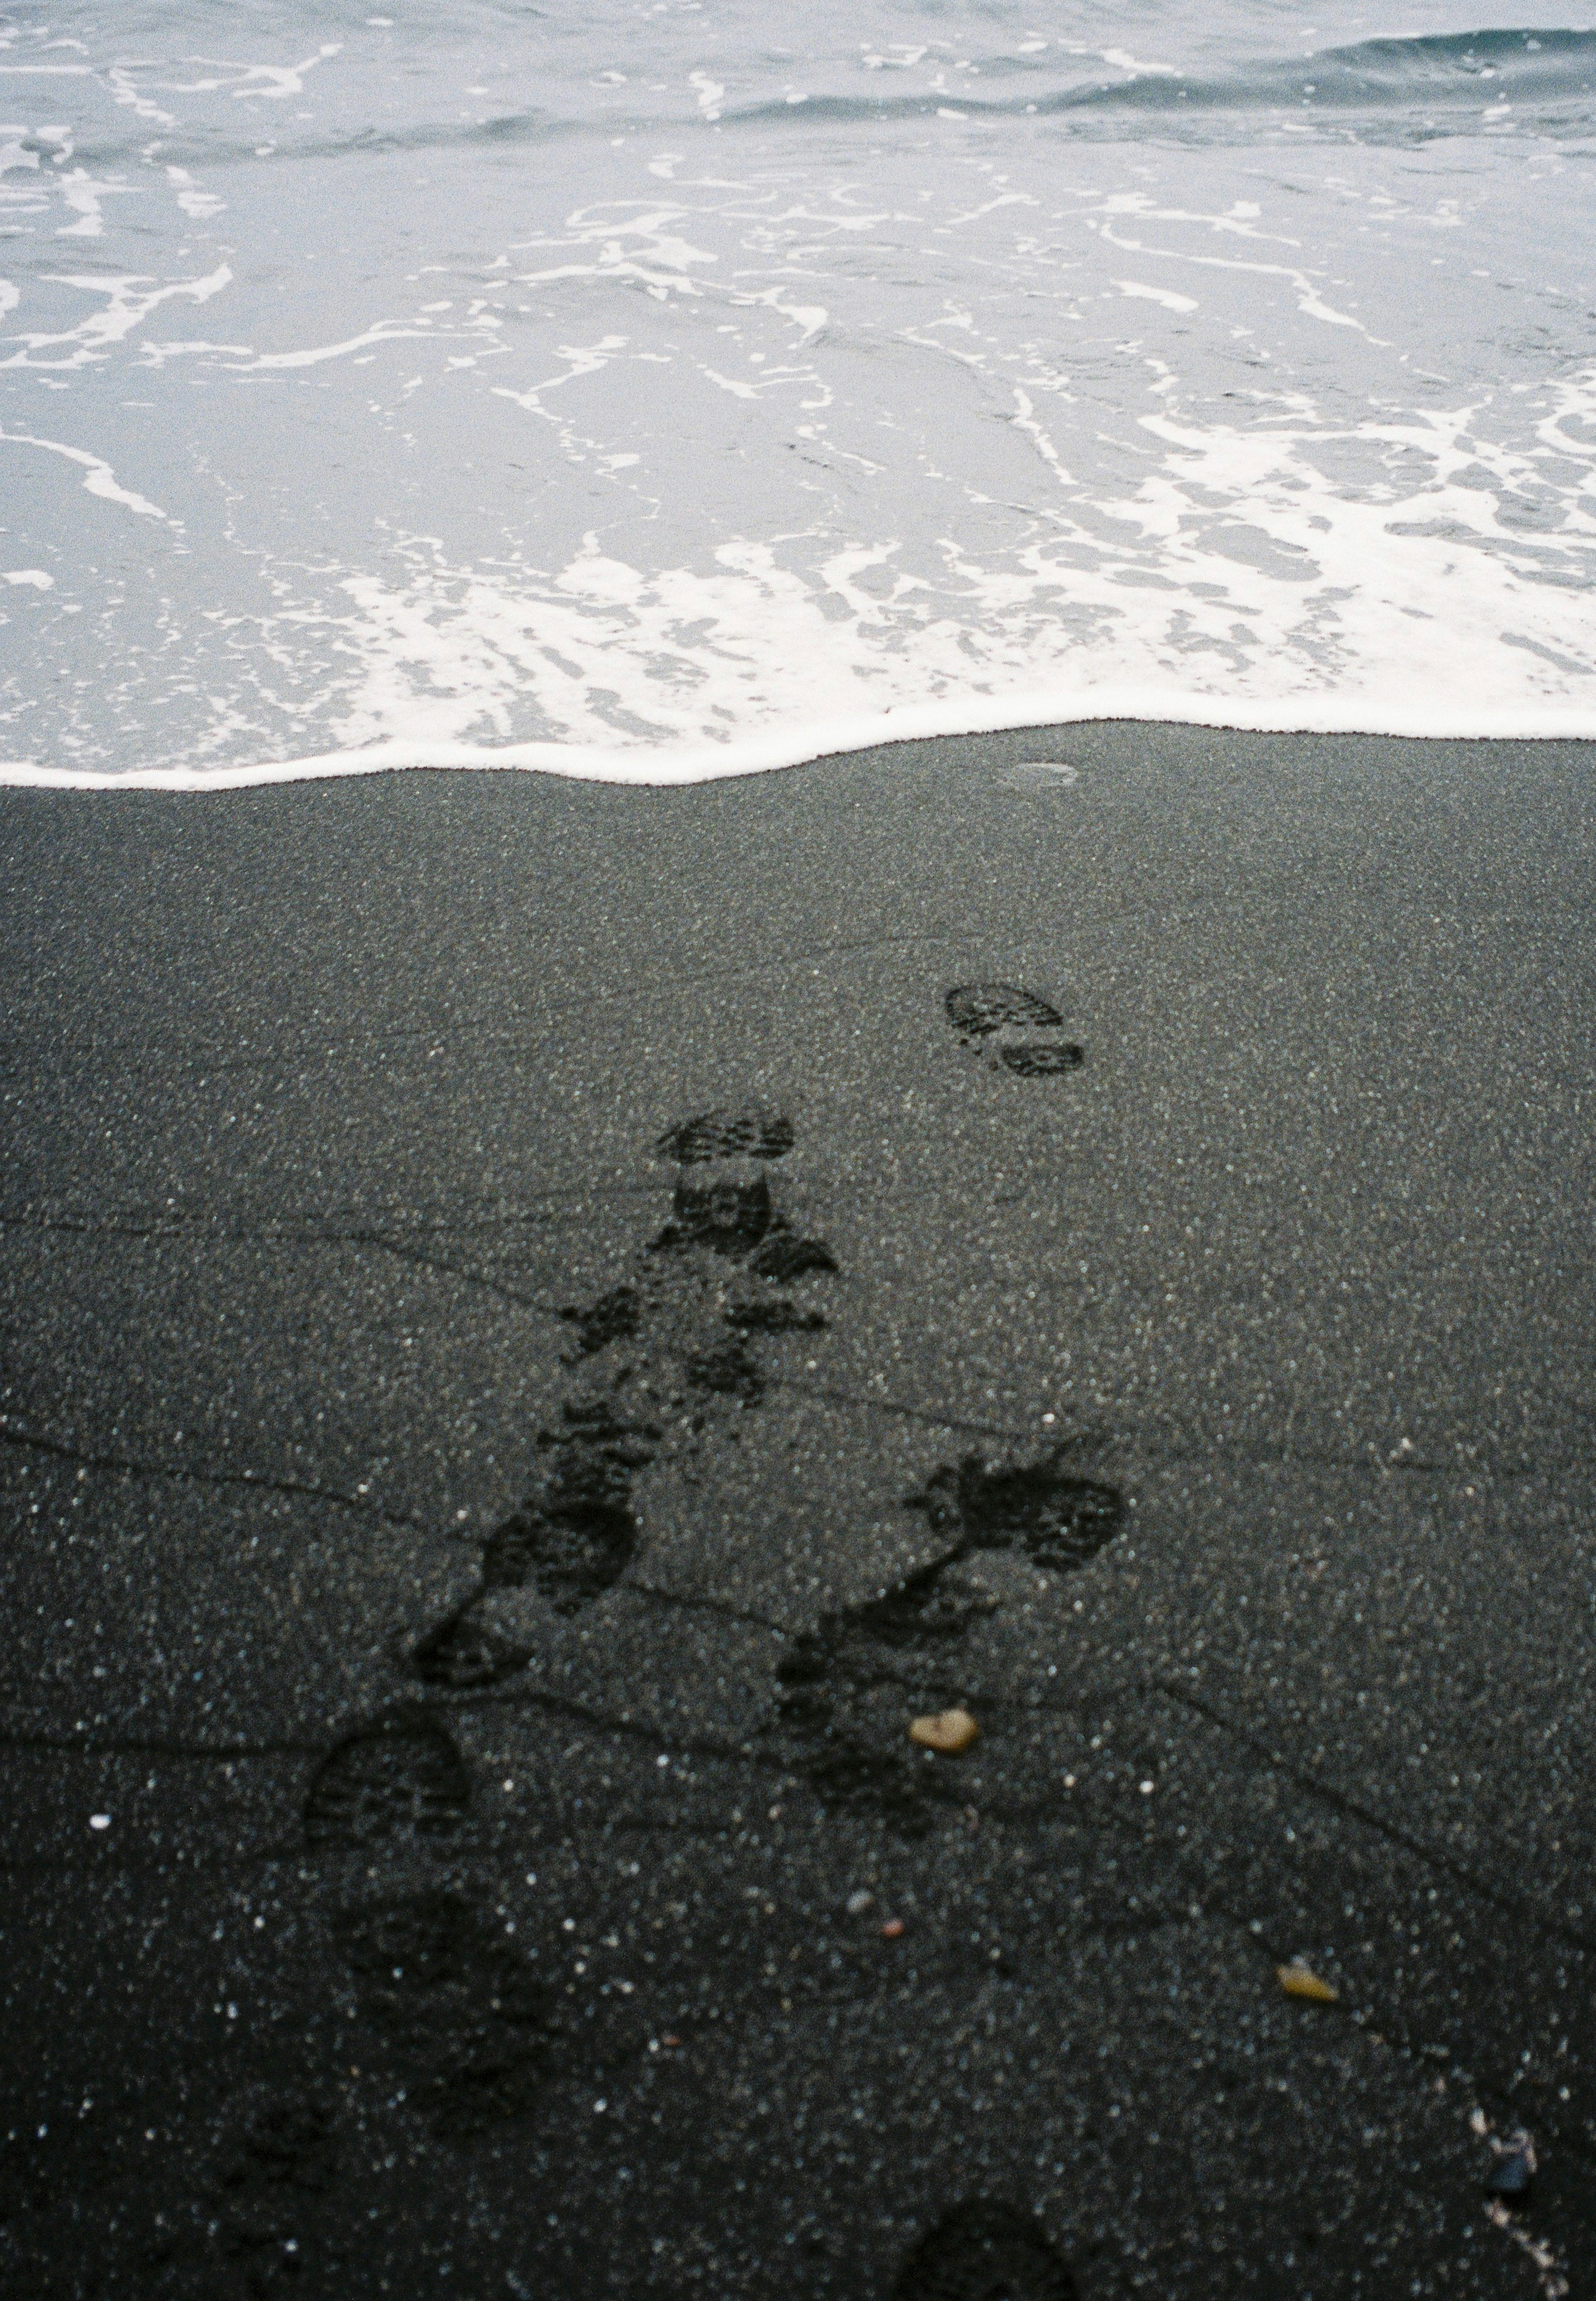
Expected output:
(727, 1215)
(577, 1536)
(905, 1636)
(1060, 1519)
(980, 1012)
(400, 1773)
(614, 1317)
(286, 2157)
(464, 1653)
(784, 1259)
(902, 1639)
(460, 2003)
(748, 1133)
(978, 1009)
(728, 1370)
(1045, 1061)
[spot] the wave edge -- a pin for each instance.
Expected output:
(665, 768)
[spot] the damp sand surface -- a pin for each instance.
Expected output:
(546, 1325)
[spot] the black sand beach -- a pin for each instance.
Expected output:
(537, 1336)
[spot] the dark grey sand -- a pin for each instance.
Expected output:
(489, 1706)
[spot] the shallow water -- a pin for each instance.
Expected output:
(628, 389)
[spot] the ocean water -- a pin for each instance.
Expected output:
(658, 389)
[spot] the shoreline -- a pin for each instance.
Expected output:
(664, 766)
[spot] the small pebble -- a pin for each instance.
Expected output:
(953, 1731)
(858, 1903)
(1514, 2170)
(99, 1821)
(1298, 1981)
(893, 1929)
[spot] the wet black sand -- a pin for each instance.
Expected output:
(446, 1528)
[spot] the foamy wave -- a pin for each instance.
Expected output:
(1430, 602)
(1239, 584)
(772, 443)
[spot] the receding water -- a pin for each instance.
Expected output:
(665, 389)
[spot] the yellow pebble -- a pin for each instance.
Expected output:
(950, 1732)
(1297, 1981)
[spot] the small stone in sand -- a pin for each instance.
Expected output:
(1514, 2171)
(1298, 1981)
(893, 1929)
(952, 1731)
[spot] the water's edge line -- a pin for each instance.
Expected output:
(794, 747)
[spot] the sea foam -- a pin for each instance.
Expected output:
(654, 407)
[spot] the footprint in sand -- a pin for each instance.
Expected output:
(459, 2012)
(282, 2160)
(1061, 1521)
(398, 1775)
(659, 1363)
(848, 1687)
(1014, 1027)
(459, 2008)
(985, 2250)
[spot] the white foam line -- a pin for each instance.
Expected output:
(99, 478)
(378, 333)
(794, 747)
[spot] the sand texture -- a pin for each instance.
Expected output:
(543, 1326)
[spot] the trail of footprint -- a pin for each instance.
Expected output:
(849, 1687)
(985, 2250)
(1014, 1027)
(654, 1360)
(653, 1363)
